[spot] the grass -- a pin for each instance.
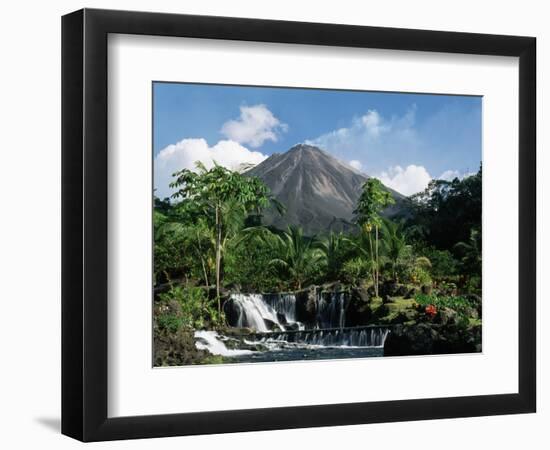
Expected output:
(397, 306)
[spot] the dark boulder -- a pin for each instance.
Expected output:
(446, 316)
(272, 326)
(427, 338)
(306, 306)
(358, 309)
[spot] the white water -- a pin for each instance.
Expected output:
(331, 314)
(276, 314)
(351, 338)
(255, 309)
(210, 341)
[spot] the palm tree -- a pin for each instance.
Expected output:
(394, 245)
(363, 245)
(373, 199)
(332, 249)
(297, 254)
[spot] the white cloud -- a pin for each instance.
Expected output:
(255, 125)
(407, 181)
(449, 175)
(372, 136)
(186, 152)
(356, 164)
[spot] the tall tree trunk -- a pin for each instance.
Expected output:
(377, 263)
(203, 263)
(373, 270)
(218, 256)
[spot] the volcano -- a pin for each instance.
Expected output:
(319, 191)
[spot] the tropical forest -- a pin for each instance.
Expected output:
(260, 264)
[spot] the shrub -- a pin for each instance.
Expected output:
(354, 270)
(461, 305)
(195, 309)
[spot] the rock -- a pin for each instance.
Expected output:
(358, 310)
(360, 294)
(306, 305)
(446, 316)
(401, 290)
(233, 312)
(387, 299)
(471, 312)
(176, 349)
(381, 311)
(431, 339)
(292, 326)
(412, 293)
(475, 301)
(410, 340)
(231, 331)
(272, 326)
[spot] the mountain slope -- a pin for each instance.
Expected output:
(319, 191)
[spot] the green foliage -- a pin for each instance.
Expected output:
(460, 304)
(170, 322)
(297, 257)
(247, 264)
(445, 211)
(417, 275)
(395, 247)
(224, 198)
(212, 234)
(470, 253)
(335, 249)
(170, 258)
(355, 270)
(195, 310)
(374, 198)
(443, 263)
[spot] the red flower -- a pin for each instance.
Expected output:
(431, 311)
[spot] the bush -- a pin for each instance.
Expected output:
(462, 305)
(418, 275)
(195, 310)
(355, 270)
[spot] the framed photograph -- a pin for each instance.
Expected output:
(273, 224)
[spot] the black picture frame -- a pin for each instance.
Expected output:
(84, 224)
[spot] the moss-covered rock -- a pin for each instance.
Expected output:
(177, 349)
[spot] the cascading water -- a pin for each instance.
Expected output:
(318, 323)
(210, 340)
(331, 309)
(261, 311)
(372, 337)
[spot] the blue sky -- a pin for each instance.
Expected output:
(403, 139)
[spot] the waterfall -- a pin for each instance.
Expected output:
(210, 340)
(372, 337)
(262, 312)
(273, 312)
(331, 309)
(275, 319)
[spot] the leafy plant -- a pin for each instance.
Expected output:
(355, 270)
(373, 199)
(194, 311)
(222, 196)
